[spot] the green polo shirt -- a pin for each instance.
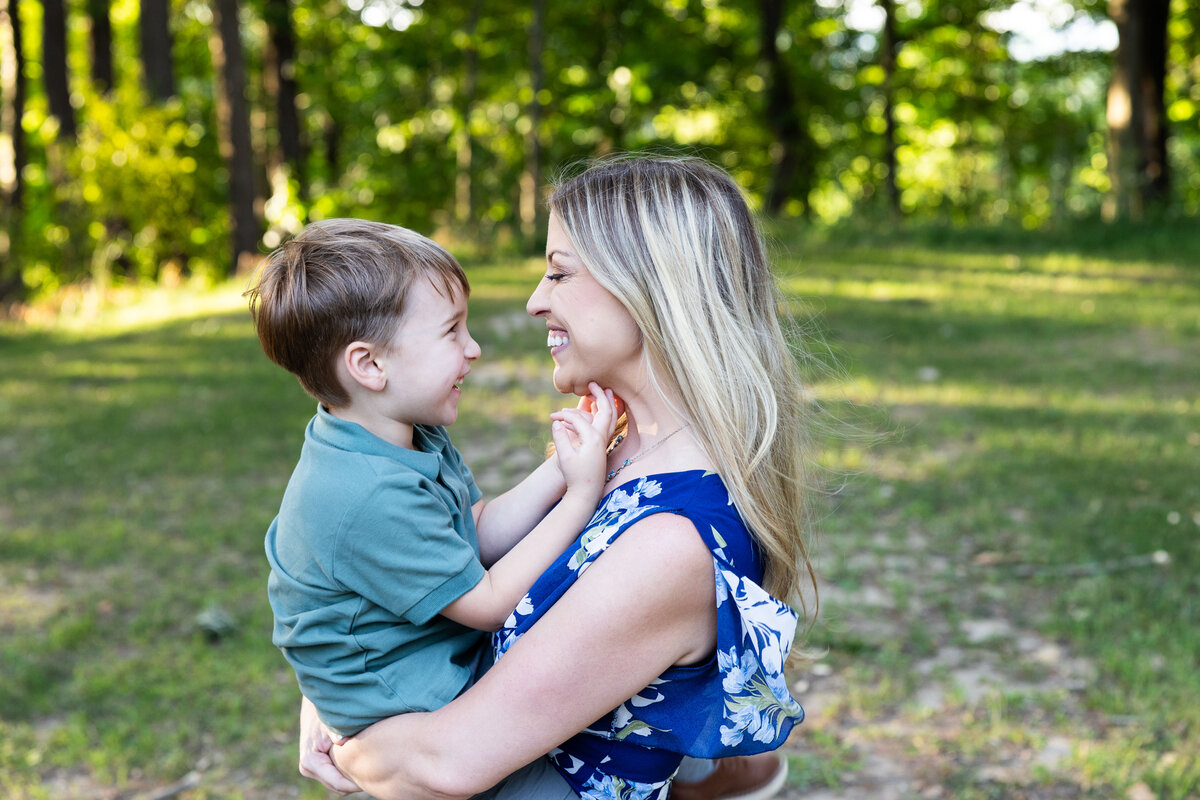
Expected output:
(372, 541)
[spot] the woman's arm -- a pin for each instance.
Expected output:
(645, 604)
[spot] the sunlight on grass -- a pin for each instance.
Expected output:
(1002, 408)
(954, 394)
(138, 308)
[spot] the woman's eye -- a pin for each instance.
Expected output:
(555, 277)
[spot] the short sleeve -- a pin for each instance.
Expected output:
(403, 553)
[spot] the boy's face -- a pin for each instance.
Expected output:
(428, 357)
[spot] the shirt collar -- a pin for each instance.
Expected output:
(346, 435)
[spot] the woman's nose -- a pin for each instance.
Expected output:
(537, 302)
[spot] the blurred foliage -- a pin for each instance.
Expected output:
(397, 97)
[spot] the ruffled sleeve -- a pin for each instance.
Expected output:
(738, 702)
(754, 634)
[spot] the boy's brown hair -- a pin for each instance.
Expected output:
(337, 282)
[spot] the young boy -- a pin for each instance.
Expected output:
(385, 561)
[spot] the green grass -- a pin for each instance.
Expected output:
(1032, 410)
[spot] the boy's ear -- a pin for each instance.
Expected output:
(359, 360)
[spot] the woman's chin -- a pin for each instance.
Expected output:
(565, 384)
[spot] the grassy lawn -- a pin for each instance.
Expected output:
(1010, 559)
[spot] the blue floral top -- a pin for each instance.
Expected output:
(737, 702)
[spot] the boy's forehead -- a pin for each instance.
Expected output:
(436, 299)
(446, 284)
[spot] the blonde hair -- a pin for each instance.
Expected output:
(338, 281)
(675, 242)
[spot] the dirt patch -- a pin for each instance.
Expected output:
(943, 704)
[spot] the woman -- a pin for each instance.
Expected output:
(657, 286)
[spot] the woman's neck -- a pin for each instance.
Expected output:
(657, 439)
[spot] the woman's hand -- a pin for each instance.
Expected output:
(315, 746)
(581, 439)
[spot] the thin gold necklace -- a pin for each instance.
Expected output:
(641, 453)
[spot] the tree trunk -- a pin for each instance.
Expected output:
(12, 94)
(283, 75)
(531, 177)
(783, 116)
(102, 58)
(154, 30)
(1137, 130)
(1154, 165)
(464, 200)
(332, 137)
(54, 57)
(233, 115)
(887, 58)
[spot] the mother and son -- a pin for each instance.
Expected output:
(635, 583)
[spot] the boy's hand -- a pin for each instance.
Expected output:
(581, 438)
(315, 744)
(588, 403)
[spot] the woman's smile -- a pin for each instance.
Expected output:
(556, 340)
(603, 343)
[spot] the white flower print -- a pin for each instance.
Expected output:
(757, 701)
(610, 787)
(737, 702)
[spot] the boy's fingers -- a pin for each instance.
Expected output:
(320, 768)
(603, 406)
(559, 431)
(612, 421)
(603, 414)
(578, 419)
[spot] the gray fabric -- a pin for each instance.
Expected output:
(693, 770)
(536, 781)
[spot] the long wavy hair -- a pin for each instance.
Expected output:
(674, 240)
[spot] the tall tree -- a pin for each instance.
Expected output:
(464, 201)
(233, 113)
(788, 133)
(154, 32)
(282, 82)
(54, 67)
(1137, 123)
(12, 92)
(531, 176)
(887, 59)
(102, 58)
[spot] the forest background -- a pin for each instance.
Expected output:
(147, 137)
(988, 209)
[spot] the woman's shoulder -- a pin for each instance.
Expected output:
(697, 500)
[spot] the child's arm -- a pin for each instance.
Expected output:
(582, 442)
(503, 521)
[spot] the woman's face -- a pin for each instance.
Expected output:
(590, 334)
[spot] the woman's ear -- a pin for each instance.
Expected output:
(359, 360)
